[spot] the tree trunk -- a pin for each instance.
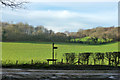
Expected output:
(109, 61)
(102, 61)
(87, 61)
(116, 61)
(94, 62)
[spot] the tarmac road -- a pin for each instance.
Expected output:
(35, 74)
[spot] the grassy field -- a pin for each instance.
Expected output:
(40, 51)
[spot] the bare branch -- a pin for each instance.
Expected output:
(13, 3)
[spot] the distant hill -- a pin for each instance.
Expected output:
(26, 32)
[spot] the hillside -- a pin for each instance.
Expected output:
(25, 32)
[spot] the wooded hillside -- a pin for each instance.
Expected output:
(26, 32)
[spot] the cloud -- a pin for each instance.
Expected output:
(65, 15)
(62, 20)
(73, 26)
(52, 14)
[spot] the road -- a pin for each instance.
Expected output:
(34, 74)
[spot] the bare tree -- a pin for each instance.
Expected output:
(13, 3)
(94, 58)
(70, 58)
(99, 57)
(67, 57)
(79, 58)
(115, 58)
(108, 56)
(84, 57)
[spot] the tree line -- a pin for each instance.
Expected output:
(25, 32)
(98, 33)
(108, 58)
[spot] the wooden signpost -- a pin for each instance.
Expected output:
(53, 60)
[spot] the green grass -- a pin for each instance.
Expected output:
(40, 51)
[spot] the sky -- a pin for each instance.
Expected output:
(65, 16)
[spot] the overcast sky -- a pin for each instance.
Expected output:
(65, 16)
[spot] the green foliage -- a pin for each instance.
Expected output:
(91, 40)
